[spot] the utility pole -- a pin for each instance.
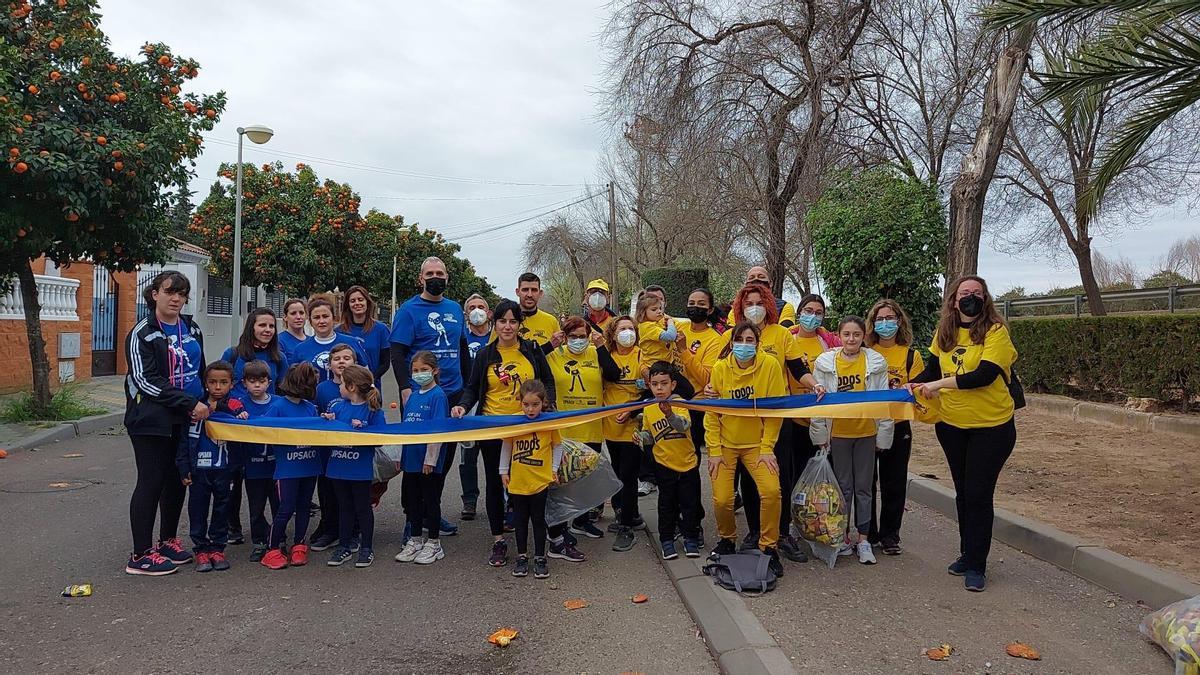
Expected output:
(612, 233)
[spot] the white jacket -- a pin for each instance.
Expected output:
(825, 370)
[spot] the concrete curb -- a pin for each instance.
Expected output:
(1115, 415)
(735, 637)
(68, 430)
(1130, 578)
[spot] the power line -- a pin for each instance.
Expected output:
(488, 220)
(417, 198)
(524, 220)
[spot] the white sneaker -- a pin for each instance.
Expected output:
(865, 555)
(846, 550)
(411, 549)
(645, 487)
(430, 552)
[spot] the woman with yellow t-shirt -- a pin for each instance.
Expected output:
(699, 348)
(619, 363)
(973, 356)
(853, 442)
(500, 369)
(889, 332)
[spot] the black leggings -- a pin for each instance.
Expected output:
(158, 490)
(421, 496)
(259, 493)
(294, 495)
(786, 455)
(891, 486)
(626, 460)
(494, 491)
(976, 457)
(330, 516)
(529, 508)
(354, 508)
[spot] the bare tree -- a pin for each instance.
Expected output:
(1114, 273)
(1183, 257)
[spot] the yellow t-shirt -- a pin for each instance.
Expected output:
(578, 384)
(852, 376)
(761, 380)
(672, 449)
(809, 349)
(987, 406)
(653, 348)
(532, 466)
(539, 327)
(897, 359)
(623, 391)
(703, 347)
(503, 395)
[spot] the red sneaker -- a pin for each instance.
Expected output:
(275, 559)
(299, 555)
(203, 562)
(219, 563)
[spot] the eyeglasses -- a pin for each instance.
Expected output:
(809, 312)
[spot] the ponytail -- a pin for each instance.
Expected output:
(364, 383)
(374, 400)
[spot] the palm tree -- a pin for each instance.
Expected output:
(1148, 48)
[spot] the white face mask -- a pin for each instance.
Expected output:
(626, 337)
(477, 317)
(597, 301)
(755, 314)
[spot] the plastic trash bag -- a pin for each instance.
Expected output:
(1176, 628)
(818, 510)
(570, 500)
(578, 460)
(387, 463)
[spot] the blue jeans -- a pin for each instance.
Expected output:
(210, 489)
(468, 473)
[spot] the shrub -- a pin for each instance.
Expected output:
(677, 282)
(68, 403)
(1111, 356)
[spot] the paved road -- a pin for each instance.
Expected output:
(402, 618)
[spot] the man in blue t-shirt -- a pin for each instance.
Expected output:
(433, 322)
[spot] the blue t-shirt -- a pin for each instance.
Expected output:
(277, 368)
(294, 461)
(422, 406)
(476, 342)
(258, 458)
(317, 352)
(435, 326)
(327, 392)
(183, 358)
(374, 341)
(353, 462)
(287, 344)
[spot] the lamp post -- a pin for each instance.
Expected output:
(257, 134)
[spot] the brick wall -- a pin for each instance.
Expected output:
(16, 371)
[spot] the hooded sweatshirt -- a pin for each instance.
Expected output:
(762, 379)
(826, 371)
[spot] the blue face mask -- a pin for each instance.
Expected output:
(423, 378)
(743, 352)
(887, 328)
(810, 321)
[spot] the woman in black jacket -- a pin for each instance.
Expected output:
(495, 384)
(163, 393)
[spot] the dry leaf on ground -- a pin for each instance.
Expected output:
(1021, 650)
(939, 653)
(575, 604)
(640, 598)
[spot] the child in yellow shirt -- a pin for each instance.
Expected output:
(528, 467)
(657, 335)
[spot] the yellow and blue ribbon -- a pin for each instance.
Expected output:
(890, 404)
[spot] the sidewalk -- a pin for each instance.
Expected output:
(105, 393)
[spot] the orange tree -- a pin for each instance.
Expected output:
(96, 148)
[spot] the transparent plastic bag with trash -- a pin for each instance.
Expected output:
(578, 460)
(1176, 628)
(575, 498)
(387, 462)
(818, 510)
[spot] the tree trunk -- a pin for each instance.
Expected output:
(776, 243)
(1083, 255)
(979, 165)
(33, 332)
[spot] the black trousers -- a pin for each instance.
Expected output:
(891, 486)
(354, 508)
(238, 477)
(330, 515)
(678, 500)
(626, 458)
(976, 457)
(158, 491)
(530, 509)
(421, 496)
(259, 493)
(493, 486)
(786, 455)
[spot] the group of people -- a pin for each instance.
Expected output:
(452, 360)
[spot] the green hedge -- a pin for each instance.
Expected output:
(678, 282)
(1112, 356)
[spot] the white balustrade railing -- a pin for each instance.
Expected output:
(57, 295)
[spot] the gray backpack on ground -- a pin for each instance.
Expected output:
(747, 573)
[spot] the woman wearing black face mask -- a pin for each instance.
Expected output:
(972, 358)
(700, 346)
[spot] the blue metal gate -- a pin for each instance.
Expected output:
(104, 322)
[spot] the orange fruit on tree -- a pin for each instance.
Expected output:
(72, 217)
(116, 154)
(118, 165)
(33, 89)
(88, 96)
(21, 232)
(14, 151)
(62, 4)
(81, 87)
(113, 98)
(87, 61)
(210, 113)
(101, 140)
(164, 60)
(55, 75)
(20, 167)
(112, 67)
(175, 89)
(27, 118)
(44, 153)
(122, 96)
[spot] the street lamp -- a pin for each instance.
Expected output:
(257, 134)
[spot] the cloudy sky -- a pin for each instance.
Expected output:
(462, 116)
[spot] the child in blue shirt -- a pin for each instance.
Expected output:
(424, 465)
(351, 468)
(258, 459)
(206, 470)
(296, 468)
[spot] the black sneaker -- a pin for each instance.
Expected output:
(974, 581)
(774, 564)
(468, 511)
(540, 569)
(890, 546)
(569, 538)
(624, 540)
(639, 523)
(521, 569)
(586, 529)
(151, 564)
(723, 547)
(355, 543)
(750, 541)
(691, 547)
(565, 551)
(236, 537)
(256, 555)
(322, 542)
(365, 557)
(790, 549)
(339, 557)
(668, 550)
(958, 568)
(614, 526)
(499, 556)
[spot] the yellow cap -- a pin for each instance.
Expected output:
(599, 284)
